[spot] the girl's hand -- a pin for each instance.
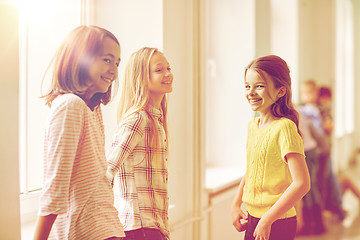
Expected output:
(262, 230)
(239, 219)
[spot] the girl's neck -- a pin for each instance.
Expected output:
(155, 100)
(87, 100)
(265, 120)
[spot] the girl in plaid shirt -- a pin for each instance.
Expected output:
(137, 160)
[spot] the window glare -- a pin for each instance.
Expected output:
(42, 27)
(344, 104)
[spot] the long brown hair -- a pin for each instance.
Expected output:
(279, 72)
(71, 62)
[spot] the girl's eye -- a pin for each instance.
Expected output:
(107, 60)
(158, 70)
(169, 68)
(247, 87)
(260, 86)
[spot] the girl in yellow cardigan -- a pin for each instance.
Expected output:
(276, 175)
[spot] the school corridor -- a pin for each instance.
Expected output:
(349, 228)
(208, 44)
(337, 231)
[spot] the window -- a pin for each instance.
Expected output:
(344, 94)
(42, 28)
(230, 46)
(43, 25)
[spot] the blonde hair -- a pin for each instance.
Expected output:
(71, 62)
(135, 95)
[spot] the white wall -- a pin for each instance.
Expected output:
(221, 226)
(136, 24)
(9, 145)
(178, 39)
(356, 5)
(324, 42)
(230, 46)
(317, 41)
(263, 27)
(284, 37)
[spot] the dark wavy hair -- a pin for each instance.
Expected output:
(279, 72)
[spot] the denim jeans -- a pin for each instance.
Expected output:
(313, 197)
(281, 229)
(145, 234)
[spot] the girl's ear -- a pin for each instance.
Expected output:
(281, 92)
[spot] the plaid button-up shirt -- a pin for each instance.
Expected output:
(140, 173)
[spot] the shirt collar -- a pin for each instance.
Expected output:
(156, 113)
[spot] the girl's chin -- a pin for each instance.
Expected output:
(254, 108)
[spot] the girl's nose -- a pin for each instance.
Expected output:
(252, 92)
(113, 69)
(168, 73)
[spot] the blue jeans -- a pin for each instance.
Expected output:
(145, 234)
(284, 229)
(313, 197)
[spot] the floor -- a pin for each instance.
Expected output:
(338, 231)
(349, 228)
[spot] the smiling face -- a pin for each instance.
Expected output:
(260, 93)
(104, 69)
(161, 78)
